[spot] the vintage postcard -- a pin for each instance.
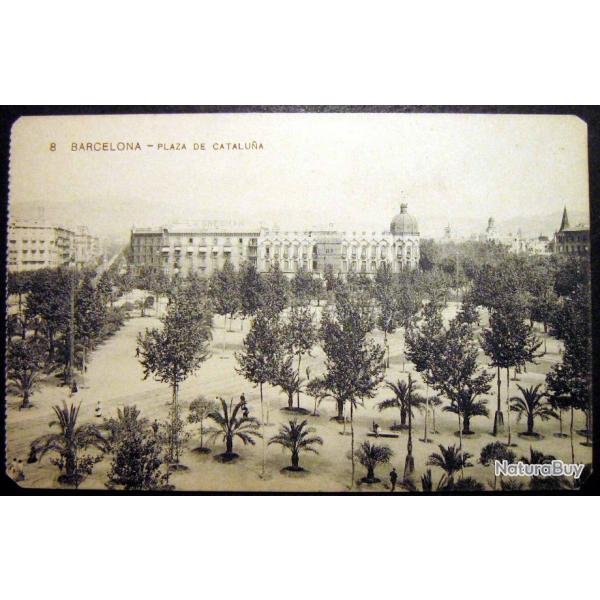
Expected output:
(299, 302)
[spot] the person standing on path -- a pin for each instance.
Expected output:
(98, 410)
(393, 478)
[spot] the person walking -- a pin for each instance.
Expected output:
(137, 351)
(98, 410)
(393, 478)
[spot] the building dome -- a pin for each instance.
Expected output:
(403, 223)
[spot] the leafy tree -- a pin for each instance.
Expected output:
(297, 437)
(230, 426)
(69, 442)
(532, 404)
(199, 410)
(422, 348)
(49, 301)
(451, 460)
(509, 342)
(369, 456)
(496, 451)
(137, 453)
(289, 380)
(456, 373)
(24, 367)
(251, 290)
(303, 288)
(354, 365)
(276, 291)
(90, 315)
(300, 334)
(176, 351)
(224, 292)
(19, 284)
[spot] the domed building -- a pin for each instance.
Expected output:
(343, 252)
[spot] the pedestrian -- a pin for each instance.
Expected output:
(137, 351)
(98, 410)
(155, 426)
(245, 412)
(393, 478)
(243, 399)
(74, 389)
(376, 429)
(20, 475)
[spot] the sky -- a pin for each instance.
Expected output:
(348, 170)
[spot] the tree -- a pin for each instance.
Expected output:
(532, 404)
(451, 460)
(496, 451)
(251, 290)
(422, 348)
(401, 398)
(260, 359)
(24, 367)
(137, 453)
(289, 380)
(302, 287)
(90, 316)
(354, 365)
(229, 426)
(299, 335)
(456, 373)
(510, 342)
(68, 443)
(468, 406)
(199, 410)
(224, 292)
(297, 437)
(369, 456)
(276, 291)
(49, 301)
(176, 351)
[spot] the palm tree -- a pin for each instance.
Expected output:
(402, 394)
(468, 407)
(496, 451)
(511, 485)
(450, 460)
(68, 442)
(532, 404)
(231, 426)
(296, 437)
(369, 456)
(465, 484)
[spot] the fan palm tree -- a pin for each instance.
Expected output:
(230, 426)
(69, 441)
(467, 407)
(369, 456)
(296, 437)
(403, 393)
(450, 460)
(532, 404)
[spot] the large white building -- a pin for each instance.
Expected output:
(186, 250)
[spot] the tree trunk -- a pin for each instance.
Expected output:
(352, 440)
(340, 409)
(70, 464)
(498, 417)
(25, 403)
(409, 465)
(295, 459)
(402, 416)
(229, 444)
(508, 404)
(529, 424)
(467, 425)
(571, 428)
(298, 391)
(426, 413)
(290, 400)
(201, 434)
(370, 473)
(262, 421)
